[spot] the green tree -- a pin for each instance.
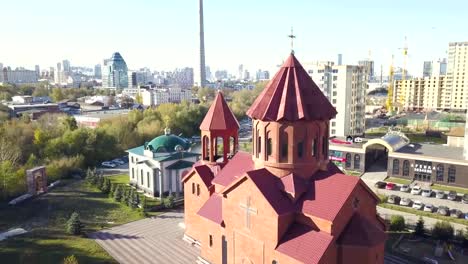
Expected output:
(106, 186)
(169, 202)
(70, 260)
(111, 190)
(69, 123)
(74, 225)
(57, 95)
(397, 223)
(118, 193)
(442, 231)
(419, 229)
(139, 99)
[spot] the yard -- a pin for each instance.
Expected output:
(397, 180)
(45, 218)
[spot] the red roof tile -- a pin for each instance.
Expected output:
(290, 96)
(240, 163)
(327, 195)
(304, 244)
(203, 171)
(213, 209)
(219, 116)
(361, 232)
(293, 184)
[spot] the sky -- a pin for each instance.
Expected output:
(164, 34)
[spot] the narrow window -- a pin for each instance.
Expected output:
(300, 149)
(133, 173)
(452, 174)
(148, 179)
(211, 240)
(193, 188)
(405, 168)
(284, 147)
(440, 172)
(269, 146)
(357, 161)
(396, 167)
(259, 146)
(348, 160)
(325, 147)
(142, 179)
(198, 189)
(314, 147)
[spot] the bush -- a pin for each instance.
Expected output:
(118, 193)
(168, 202)
(105, 188)
(397, 223)
(74, 224)
(111, 189)
(143, 203)
(70, 260)
(442, 230)
(63, 167)
(419, 229)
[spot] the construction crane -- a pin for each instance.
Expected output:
(401, 95)
(389, 103)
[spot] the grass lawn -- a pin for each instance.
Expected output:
(45, 218)
(449, 188)
(397, 180)
(422, 213)
(353, 173)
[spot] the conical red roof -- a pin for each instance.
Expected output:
(219, 116)
(290, 96)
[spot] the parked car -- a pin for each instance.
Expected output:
(426, 192)
(466, 216)
(428, 208)
(108, 164)
(394, 199)
(380, 184)
(452, 195)
(418, 205)
(118, 161)
(405, 188)
(416, 190)
(405, 202)
(465, 198)
(440, 194)
(124, 159)
(390, 186)
(455, 213)
(443, 210)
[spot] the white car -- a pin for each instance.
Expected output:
(108, 164)
(416, 190)
(428, 208)
(118, 161)
(404, 188)
(418, 205)
(405, 201)
(426, 192)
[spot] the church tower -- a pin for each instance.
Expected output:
(291, 124)
(219, 133)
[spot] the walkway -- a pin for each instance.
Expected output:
(150, 240)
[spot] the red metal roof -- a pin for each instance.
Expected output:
(219, 116)
(213, 209)
(361, 232)
(203, 171)
(304, 244)
(294, 185)
(240, 163)
(290, 96)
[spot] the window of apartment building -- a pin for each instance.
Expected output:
(335, 78)
(334, 86)
(334, 93)
(335, 71)
(333, 123)
(334, 101)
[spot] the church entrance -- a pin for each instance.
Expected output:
(376, 158)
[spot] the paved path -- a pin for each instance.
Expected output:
(411, 219)
(150, 240)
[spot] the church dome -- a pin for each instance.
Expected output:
(167, 143)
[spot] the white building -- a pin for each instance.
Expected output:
(345, 86)
(158, 166)
(167, 95)
(456, 92)
(18, 76)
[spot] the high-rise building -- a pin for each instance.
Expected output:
(201, 78)
(66, 66)
(421, 93)
(59, 67)
(340, 59)
(18, 76)
(369, 65)
(246, 75)
(221, 75)
(435, 68)
(37, 69)
(115, 72)
(183, 78)
(241, 72)
(321, 73)
(456, 92)
(427, 69)
(97, 71)
(262, 75)
(132, 79)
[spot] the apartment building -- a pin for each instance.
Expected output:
(456, 93)
(421, 93)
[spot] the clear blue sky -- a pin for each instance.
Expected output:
(163, 34)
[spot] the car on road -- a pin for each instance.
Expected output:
(380, 184)
(466, 216)
(428, 208)
(452, 195)
(390, 186)
(465, 198)
(440, 194)
(393, 199)
(443, 210)
(426, 192)
(118, 162)
(455, 213)
(405, 201)
(124, 159)
(108, 164)
(416, 190)
(418, 205)
(404, 188)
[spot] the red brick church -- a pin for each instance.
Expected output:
(284, 202)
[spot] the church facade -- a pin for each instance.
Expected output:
(156, 167)
(284, 202)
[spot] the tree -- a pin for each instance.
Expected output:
(118, 193)
(70, 260)
(74, 224)
(106, 186)
(143, 203)
(139, 99)
(57, 95)
(69, 122)
(169, 202)
(111, 189)
(419, 229)
(442, 231)
(397, 223)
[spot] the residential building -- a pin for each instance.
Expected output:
(66, 66)
(369, 66)
(456, 93)
(435, 68)
(421, 93)
(37, 69)
(18, 76)
(153, 97)
(427, 69)
(115, 72)
(97, 71)
(262, 75)
(156, 167)
(284, 202)
(183, 78)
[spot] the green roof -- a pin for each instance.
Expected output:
(138, 150)
(181, 164)
(176, 155)
(167, 143)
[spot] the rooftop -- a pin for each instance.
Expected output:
(219, 116)
(433, 150)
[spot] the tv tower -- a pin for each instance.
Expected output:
(202, 78)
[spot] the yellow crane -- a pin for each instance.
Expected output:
(402, 93)
(389, 103)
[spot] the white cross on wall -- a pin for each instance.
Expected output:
(248, 211)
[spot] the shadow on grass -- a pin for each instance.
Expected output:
(111, 236)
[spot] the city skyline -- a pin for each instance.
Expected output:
(252, 34)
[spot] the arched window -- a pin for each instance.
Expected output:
(452, 172)
(148, 179)
(357, 161)
(193, 188)
(325, 147)
(269, 146)
(198, 189)
(314, 147)
(274, 262)
(348, 160)
(406, 168)
(284, 147)
(396, 167)
(300, 149)
(259, 144)
(133, 173)
(440, 172)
